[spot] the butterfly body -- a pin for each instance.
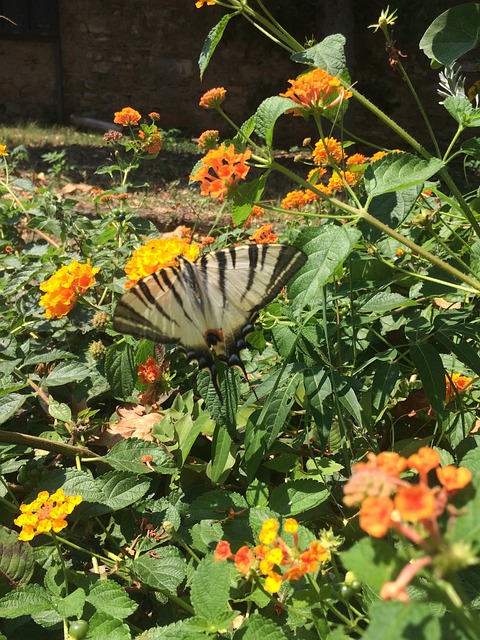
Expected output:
(210, 304)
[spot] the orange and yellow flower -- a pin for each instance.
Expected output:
(454, 478)
(327, 151)
(46, 513)
(64, 286)
(316, 90)
(157, 254)
(152, 141)
(264, 235)
(127, 116)
(213, 97)
(200, 3)
(456, 383)
(338, 181)
(149, 372)
(221, 169)
(3, 150)
(294, 200)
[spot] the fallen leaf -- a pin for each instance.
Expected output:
(133, 422)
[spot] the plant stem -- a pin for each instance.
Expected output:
(35, 442)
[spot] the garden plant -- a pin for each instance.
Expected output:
(329, 489)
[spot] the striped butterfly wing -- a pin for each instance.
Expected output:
(209, 304)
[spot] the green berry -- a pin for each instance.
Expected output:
(78, 629)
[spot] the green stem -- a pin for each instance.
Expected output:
(458, 132)
(35, 442)
(362, 213)
(65, 579)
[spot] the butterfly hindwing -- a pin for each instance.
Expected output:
(209, 303)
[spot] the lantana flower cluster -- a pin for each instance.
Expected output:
(157, 254)
(316, 91)
(46, 513)
(274, 558)
(221, 169)
(64, 287)
(456, 383)
(144, 138)
(389, 502)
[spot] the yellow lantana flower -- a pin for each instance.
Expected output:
(45, 513)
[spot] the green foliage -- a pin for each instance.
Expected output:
(227, 507)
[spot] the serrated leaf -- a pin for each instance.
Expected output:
(397, 171)
(67, 372)
(165, 572)
(177, 631)
(430, 368)
(372, 561)
(59, 410)
(25, 601)
(210, 588)
(452, 33)
(213, 38)
(204, 534)
(11, 403)
(108, 597)
(17, 561)
(386, 377)
(327, 248)
(329, 54)
(260, 628)
(298, 496)
(383, 302)
(268, 113)
(211, 505)
(47, 356)
(121, 489)
(398, 621)
(126, 455)
(102, 626)
(72, 605)
(120, 370)
(245, 197)
(462, 111)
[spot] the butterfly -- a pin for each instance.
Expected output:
(208, 306)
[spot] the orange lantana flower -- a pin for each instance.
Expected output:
(327, 150)
(264, 235)
(244, 559)
(223, 551)
(221, 169)
(157, 254)
(375, 515)
(64, 286)
(454, 478)
(213, 98)
(357, 159)
(149, 372)
(424, 460)
(200, 3)
(293, 200)
(455, 384)
(127, 116)
(415, 502)
(338, 180)
(316, 90)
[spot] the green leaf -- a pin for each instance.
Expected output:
(462, 111)
(210, 588)
(329, 54)
(215, 504)
(59, 410)
(72, 605)
(121, 370)
(372, 561)
(298, 496)
(268, 113)
(386, 377)
(11, 403)
(17, 561)
(430, 368)
(102, 626)
(25, 601)
(399, 621)
(177, 631)
(213, 38)
(391, 209)
(397, 171)
(108, 597)
(327, 248)
(260, 628)
(49, 356)
(126, 455)
(452, 34)
(165, 573)
(384, 301)
(67, 372)
(464, 351)
(222, 459)
(466, 526)
(120, 489)
(204, 534)
(245, 197)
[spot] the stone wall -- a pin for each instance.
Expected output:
(144, 53)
